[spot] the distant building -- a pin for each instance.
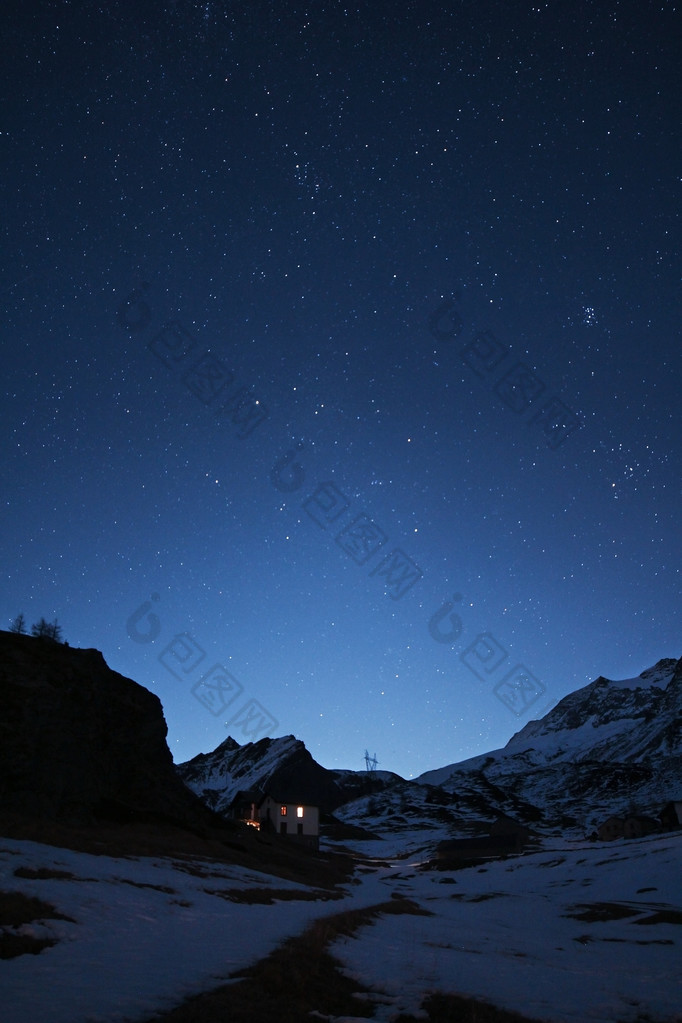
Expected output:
(244, 807)
(671, 815)
(638, 826)
(285, 815)
(634, 826)
(611, 828)
(295, 820)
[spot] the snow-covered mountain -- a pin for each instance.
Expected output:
(609, 747)
(595, 925)
(282, 767)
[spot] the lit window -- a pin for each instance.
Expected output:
(283, 811)
(299, 811)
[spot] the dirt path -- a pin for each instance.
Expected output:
(301, 977)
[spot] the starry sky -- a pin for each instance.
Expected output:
(342, 359)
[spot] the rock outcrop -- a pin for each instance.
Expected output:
(79, 741)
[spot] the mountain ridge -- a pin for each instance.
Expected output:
(282, 767)
(610, 746)
(584, 706)
(77, 739)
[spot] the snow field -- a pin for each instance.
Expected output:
(507, 933)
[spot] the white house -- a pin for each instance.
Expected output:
(295, 820)
(284, 816)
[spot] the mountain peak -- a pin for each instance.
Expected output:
(660, 675)
(282, 767)
(611, 743)
(606, 700)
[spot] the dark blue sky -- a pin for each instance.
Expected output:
(342, 359)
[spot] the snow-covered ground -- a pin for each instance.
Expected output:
(509, 932)
(134, 950)
(148, 932)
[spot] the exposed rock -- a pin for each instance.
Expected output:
(78, 740)
(605, 748)
(281, 767)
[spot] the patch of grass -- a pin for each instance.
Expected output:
(446, 1008)
(598, 912)
(17, 909)
(267, 896)
(44, 874)
(484, 896)
(662, 916)
(625, 941)
(230, 843)
(642, 1017)
(298, 978)
(195, 869)
(14, 945)
(144, 884)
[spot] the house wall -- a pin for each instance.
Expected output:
(671, 815)
(290, 823)
(610, 829)
(626, 827)
(639, 827)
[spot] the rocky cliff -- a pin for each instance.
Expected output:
(78, 740)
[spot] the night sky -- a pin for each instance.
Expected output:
(342, 359)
